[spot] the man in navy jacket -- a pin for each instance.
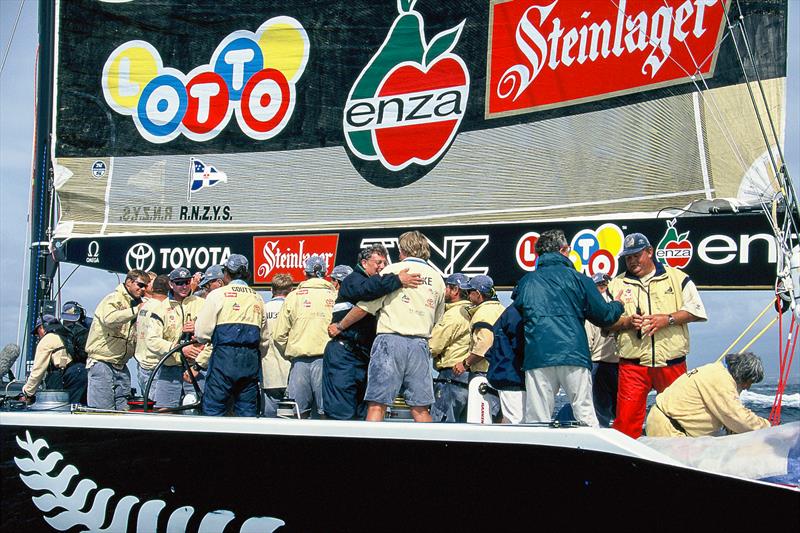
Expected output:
(554, 300)
(346, 357)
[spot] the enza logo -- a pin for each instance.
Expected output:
(405, 108)
(251, 75)
(674, 250)
(140, 256)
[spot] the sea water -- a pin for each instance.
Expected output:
(758, 399)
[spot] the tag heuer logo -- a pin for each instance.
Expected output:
(404, 110)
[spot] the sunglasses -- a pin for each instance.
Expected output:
(181, 283)
(140, 284)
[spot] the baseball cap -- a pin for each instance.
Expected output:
(480, 283)
(600, 277)
(315, 265)
(44, 320)
(236, 263)
(180, 273)
(71, 311)
(634, 243)
(458, 279)
(340, 272)
(213, 272)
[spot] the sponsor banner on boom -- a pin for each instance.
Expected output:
(724, 251)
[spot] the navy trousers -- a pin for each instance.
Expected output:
(232, 375)
(344, 382)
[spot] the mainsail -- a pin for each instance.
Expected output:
(481, 122)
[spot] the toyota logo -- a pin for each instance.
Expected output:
(141, 256)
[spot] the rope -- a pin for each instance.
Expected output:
(753, 323)
(11, 39)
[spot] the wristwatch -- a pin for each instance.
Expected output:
(671, 320)
(465, 364)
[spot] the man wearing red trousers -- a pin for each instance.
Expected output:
(652, 334)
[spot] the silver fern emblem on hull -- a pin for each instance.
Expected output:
(35, 472)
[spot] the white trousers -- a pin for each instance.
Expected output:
(512, 403)
(542, 385)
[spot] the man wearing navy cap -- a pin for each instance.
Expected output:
(178, 313)
(484, 313)
(449, 344)
(212, 279)
(652, 335)
(233, 320)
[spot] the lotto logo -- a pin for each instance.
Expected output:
(251, 75)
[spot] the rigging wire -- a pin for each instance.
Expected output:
(11, 39)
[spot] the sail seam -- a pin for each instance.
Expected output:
(701, 145)
(108, 195)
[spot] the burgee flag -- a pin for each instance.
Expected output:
(202, 175)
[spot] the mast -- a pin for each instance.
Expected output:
(42, 267)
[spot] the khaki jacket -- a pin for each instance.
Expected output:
(484, 315)
(410, 312)
(449, 342)
(301, 329)
(112, 337)
(225, 310)
(50, 348)
(602, 348)
(175, 315)
(702, 401)
(274, 368)
(663, 294)
(150, 345)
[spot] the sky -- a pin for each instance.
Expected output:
(729, 311)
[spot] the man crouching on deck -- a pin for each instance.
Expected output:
(233, 320)
(400, 357)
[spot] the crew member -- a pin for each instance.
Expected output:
(112, 342)
(53, 360)
(449, 345)
(653, 333)
(233, 320)
(400, 357)
(346, 358)
(706, 399)
(301, 333)
(554, 301)
(150, 344)
(485, 311)
(274, 368)
(178, 311)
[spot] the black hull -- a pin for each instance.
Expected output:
(325, 476)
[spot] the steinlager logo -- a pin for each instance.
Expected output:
(406, 105)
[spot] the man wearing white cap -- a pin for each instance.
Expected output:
(301, 333)
(233, 320)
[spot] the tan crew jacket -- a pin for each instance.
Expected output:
(274, 368)
(301, 329)
(449, 342)
(112, 337)
(50, 348)
(702, 401)
(484, 315)
(662, 293)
